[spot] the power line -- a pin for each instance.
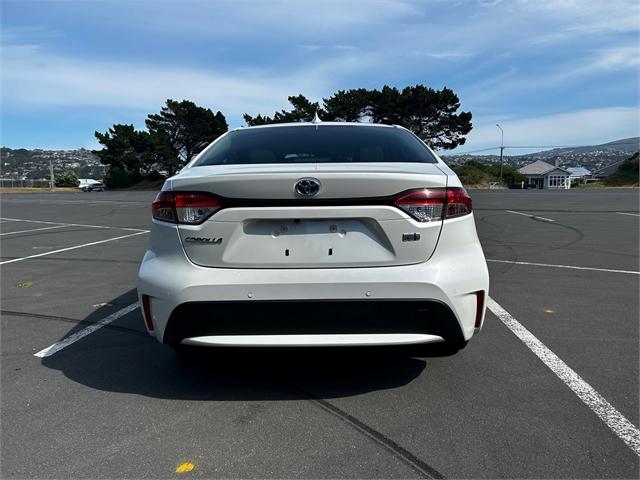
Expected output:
(476, 151)
(545, 146)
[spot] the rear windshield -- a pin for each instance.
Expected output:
(316, 144)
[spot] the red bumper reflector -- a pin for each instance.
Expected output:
(479, 308)
(146, 309)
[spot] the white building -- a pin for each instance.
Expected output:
(579, 174)
(544, 175)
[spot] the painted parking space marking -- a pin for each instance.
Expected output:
(571, 267)
(71, 339)
(72, 224)
(14, 260)
(32, 230)
(632, 214)
(617, 422)
(531, 216)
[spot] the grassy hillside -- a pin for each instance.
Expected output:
(627, 173)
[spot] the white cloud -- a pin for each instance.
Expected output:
(536, 48)
(32, 78)
(248, 19)
(586, 16)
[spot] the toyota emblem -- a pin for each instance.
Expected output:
(307, 187)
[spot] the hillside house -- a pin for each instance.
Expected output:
(544, 175)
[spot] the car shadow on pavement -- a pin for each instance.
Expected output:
(122, 357)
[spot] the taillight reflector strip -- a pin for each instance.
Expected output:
(146, 310)
(191, 208)
(479, 308)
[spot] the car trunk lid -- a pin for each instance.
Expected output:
(351, 222)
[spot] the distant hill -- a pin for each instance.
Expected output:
(625, 145)
(592, 157)
(21, 163)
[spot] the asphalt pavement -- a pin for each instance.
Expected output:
(117, 404)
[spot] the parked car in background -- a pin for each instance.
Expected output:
(314, 234)
(91, 185)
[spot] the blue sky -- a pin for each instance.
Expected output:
(557, 72)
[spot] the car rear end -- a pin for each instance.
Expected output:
(314, 235)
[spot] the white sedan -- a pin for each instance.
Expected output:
(314, 234)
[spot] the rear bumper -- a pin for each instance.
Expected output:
(450, 278)
(312, 323)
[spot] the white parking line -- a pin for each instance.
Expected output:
(573, 267)
(617, 422)
(632, 214)
(65, 342)
(32, 230)
(72, 224)
(531, 216)
(72, 248)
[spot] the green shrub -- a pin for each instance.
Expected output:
(475, 173)
(67, 179)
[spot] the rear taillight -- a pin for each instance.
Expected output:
(424, 205)
(432, 204)
(458, 202)
(189, 208)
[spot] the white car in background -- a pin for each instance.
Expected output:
(314, 234)
(90, 185)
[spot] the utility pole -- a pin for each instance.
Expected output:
(51, 182)
(501, 149)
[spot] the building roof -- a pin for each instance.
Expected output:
(539, 168)
(578, 171)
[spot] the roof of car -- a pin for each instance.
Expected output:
(320, 124)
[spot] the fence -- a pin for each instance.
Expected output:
(18, 183)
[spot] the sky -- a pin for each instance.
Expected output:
(563, 72)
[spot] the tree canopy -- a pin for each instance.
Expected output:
(175, 135)
(430, 114)
(127, 151)
(303, 111)
(186, 128)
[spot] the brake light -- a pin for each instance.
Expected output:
(432, 204)
(189, 208)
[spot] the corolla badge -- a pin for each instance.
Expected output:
(307, 187)
(209, 240)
